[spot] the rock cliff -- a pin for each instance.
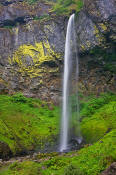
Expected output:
(32, 40)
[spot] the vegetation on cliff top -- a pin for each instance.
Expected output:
(61, 6)
(67, 6)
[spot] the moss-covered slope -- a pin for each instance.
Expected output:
(27, 124)
(98, 126)
(89, 161)
(98, 117)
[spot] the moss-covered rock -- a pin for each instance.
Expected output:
(110, 170)
(5, 151)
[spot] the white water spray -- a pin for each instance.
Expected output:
(70, 51)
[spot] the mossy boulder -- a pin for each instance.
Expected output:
(5, 151)
(111, 170)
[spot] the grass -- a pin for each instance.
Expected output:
(90, 105)
(98, 126)
(100, 123)
(90, 160)
(26, 124)
(98, 117)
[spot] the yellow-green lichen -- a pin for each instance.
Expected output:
(87, 45)
(99, 37)
(103, 26)
(30, 58)
(82, 47)
(16, 30)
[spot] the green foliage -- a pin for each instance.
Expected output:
(99, 117)
(90, 160)
(31, 2)
(55, 163)
(73, 170)
(27, 123)
(108, 59)
(98, 127)
(67, 6)
(110, 67)
(79, 4)
(42, 18)
(88, 108)
(19, 98)
(25, 168)
(8, 27)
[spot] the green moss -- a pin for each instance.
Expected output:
(98, 117)
(26, 168)
(110, 67)
(26, 124)
(90, 105)
(108, 59)
(67, 6)
(44, 17)
(98, 127)
(31, 2)
(89, 160)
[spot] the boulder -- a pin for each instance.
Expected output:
(5, 151)
(111, 170)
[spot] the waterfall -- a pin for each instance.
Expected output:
(70, 53)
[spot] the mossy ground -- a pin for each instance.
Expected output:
(98, 117)
(98, 126)
(26, 124)
(90, 160)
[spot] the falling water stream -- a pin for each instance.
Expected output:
(70, 55)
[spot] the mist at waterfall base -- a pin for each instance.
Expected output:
(70, 127)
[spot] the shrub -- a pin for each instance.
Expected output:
(91, 107)
(73, 170)
(19, 98)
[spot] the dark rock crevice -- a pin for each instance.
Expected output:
(6, 2)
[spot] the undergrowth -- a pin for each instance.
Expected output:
(61, 7)
(67, 6)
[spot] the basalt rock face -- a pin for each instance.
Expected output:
(32, 43)
(31, 53)
(96, 24)
(96, 37)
